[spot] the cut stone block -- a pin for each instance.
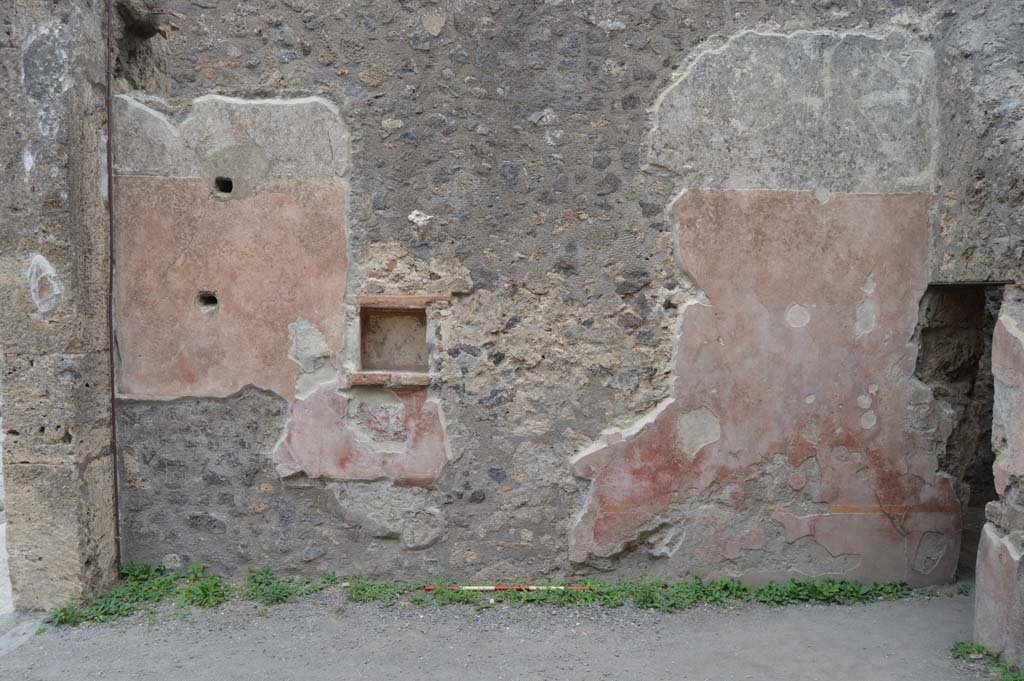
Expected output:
(999, 594)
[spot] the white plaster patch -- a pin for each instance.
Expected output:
(798, 316)
(697, 429)
(868, 419)
(866, 320)
(810, 399)
(44, 284)
(313, 355)
(669, 543)
(864, 401)
(28, 161)
(419, 218)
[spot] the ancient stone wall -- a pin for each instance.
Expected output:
(521, 167)
(54, 387)
(979, 234)
(530, 290)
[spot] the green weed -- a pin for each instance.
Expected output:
(146, 585)
(269, 589)
(643, 593)
(968, 650)
(366, 591)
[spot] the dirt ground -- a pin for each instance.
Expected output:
(323, 637)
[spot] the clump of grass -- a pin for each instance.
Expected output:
(362, 590)
(265, 586)
(202, 590)
(643, 593)
(968, 650)
(829, 591)
(146, 585)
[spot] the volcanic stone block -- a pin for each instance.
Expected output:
(75, 556)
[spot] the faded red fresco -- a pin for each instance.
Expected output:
(345, 436)
(802, 351)
(271, 258)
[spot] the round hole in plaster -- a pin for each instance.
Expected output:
(207, 301)
(223, 184)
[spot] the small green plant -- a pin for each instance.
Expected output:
(828, 591)
(146, 585)
(969, 650)
(68, 614)
(362, 590)
(206, 593)
(265, 586)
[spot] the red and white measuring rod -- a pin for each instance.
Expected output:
(501, 587)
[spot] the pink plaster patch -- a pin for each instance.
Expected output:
(805, 299)
(270, 258)
(364, 434)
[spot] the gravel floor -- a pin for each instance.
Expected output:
(323, 637)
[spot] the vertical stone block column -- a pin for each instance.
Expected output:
(999, 605)
(54, 404)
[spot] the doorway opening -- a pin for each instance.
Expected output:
(955, 328)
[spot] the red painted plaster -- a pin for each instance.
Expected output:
(830, 379)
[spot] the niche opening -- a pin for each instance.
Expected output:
(393, 339)
(224, 185)
(955, 327)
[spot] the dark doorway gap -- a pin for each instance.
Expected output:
(955, 328)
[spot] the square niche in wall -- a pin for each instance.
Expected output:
(393, 348)
(393, 339)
